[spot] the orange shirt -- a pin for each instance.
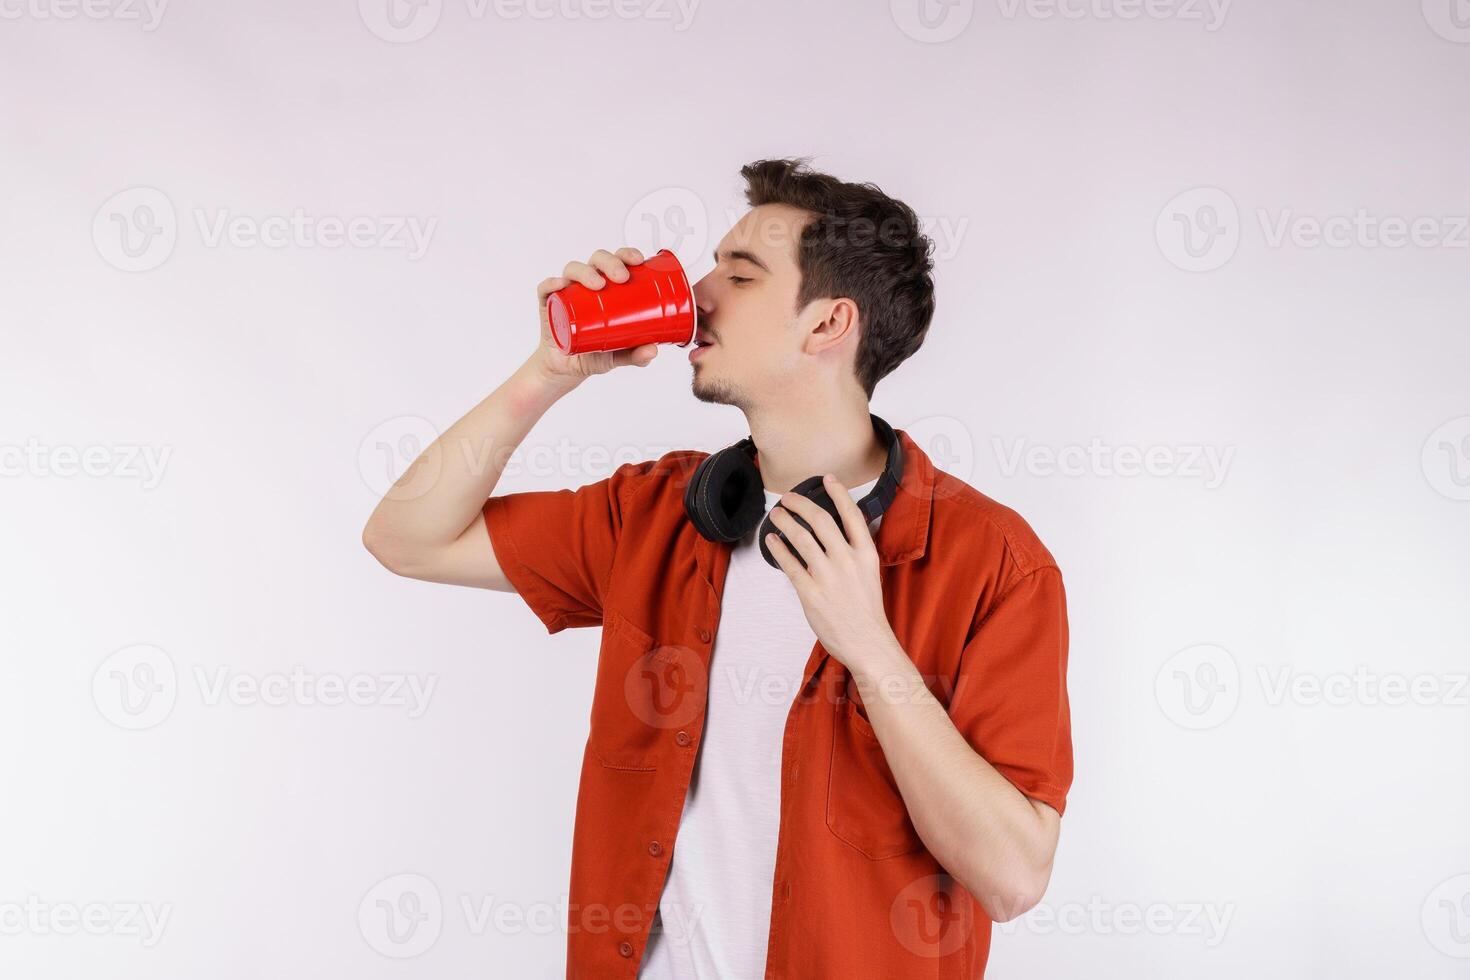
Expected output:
(975, 600)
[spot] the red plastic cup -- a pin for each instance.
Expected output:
(654, 306)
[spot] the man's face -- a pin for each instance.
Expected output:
(747, 307)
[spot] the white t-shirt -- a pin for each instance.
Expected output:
(715, 910)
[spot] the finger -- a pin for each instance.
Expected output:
(786, 560)
(609, 265)
(824, 529)
(585, 274)
(629, 255)
(550, 285)
(800, 538)
(639, 356)
(853, 521)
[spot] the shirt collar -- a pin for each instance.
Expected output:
(903, 534)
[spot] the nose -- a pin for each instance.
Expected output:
(704, 296)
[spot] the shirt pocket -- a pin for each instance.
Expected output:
(864, 806)
(643, 697)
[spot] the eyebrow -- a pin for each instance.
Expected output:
(740, 253)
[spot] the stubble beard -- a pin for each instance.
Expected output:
(715, 391)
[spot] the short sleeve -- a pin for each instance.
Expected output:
(557, 546)
(1010, 699)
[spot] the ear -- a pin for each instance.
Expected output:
(838, 322)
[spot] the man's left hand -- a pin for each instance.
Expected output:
(840, 588)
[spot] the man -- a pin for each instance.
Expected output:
(846, 766)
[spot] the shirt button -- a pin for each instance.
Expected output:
(683, 738)
(703, 635)
(626, 948)
(655, 848)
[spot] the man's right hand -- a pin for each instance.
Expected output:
(430, 524)
(600, 269)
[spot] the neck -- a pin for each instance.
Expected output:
(794, 445)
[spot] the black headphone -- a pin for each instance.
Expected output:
(725, 496)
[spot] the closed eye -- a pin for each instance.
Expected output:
(739, 279)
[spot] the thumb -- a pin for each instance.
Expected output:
(639, 356)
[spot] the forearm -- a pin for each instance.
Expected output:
(994, 840)
(442, 492)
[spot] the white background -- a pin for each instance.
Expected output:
(1108, 185)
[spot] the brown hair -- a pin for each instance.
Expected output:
(861, 244)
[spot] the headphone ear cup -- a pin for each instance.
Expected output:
(813, 489)
(725, 497)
